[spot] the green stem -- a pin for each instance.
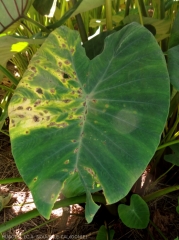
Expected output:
(140, 13)
(8, 75)
(81, 26)
(10, 180)
(108, 15)
(160, 193)
(42, 27)
(34, 213)
(161, 176)
(128, 3)
(142, 8)
(167, 144)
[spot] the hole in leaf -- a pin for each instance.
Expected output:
(65, 75)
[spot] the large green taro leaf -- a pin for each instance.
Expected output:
(101, 118)
(11, 11)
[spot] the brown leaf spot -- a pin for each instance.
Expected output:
(52, 90)
(24, 99)
(67, 161)
(45, 111)
(67, 62)
(48, 118)
(76, 150)
(37, 103)
(84, 104)
(12, 121)
(36, 118)
(35, 179)
(33, 69)
(39, 90)
(59, 64)
(29, 108)
(72, 50)
(94, 100)
(20, 108)
(63, 45)
(21, 116)
(66, 100)
(27, 132)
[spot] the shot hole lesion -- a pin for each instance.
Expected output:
(65, 75)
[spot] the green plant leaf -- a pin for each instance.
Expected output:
(162, 27)
(74, 187)
(100, 22)
(4, 201)
(105, 234)
(11, 45)
(43, 6)
(174, 157)
(87, 5)
(136, 215)
(174, 37)
(173, 66)
(12, 11)
(97, 118)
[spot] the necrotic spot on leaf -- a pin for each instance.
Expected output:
(76, 150)
(67, 161)
(20, 108)
(36, 118)
(52, 90)
(39, 90)
(29, 108)
(33, 69)
(35, 179)
(67, 62)
(66, 100)
(65, 75)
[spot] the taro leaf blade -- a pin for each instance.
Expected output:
(12, 11)
(101, 118)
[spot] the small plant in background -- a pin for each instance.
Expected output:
(95, 116)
